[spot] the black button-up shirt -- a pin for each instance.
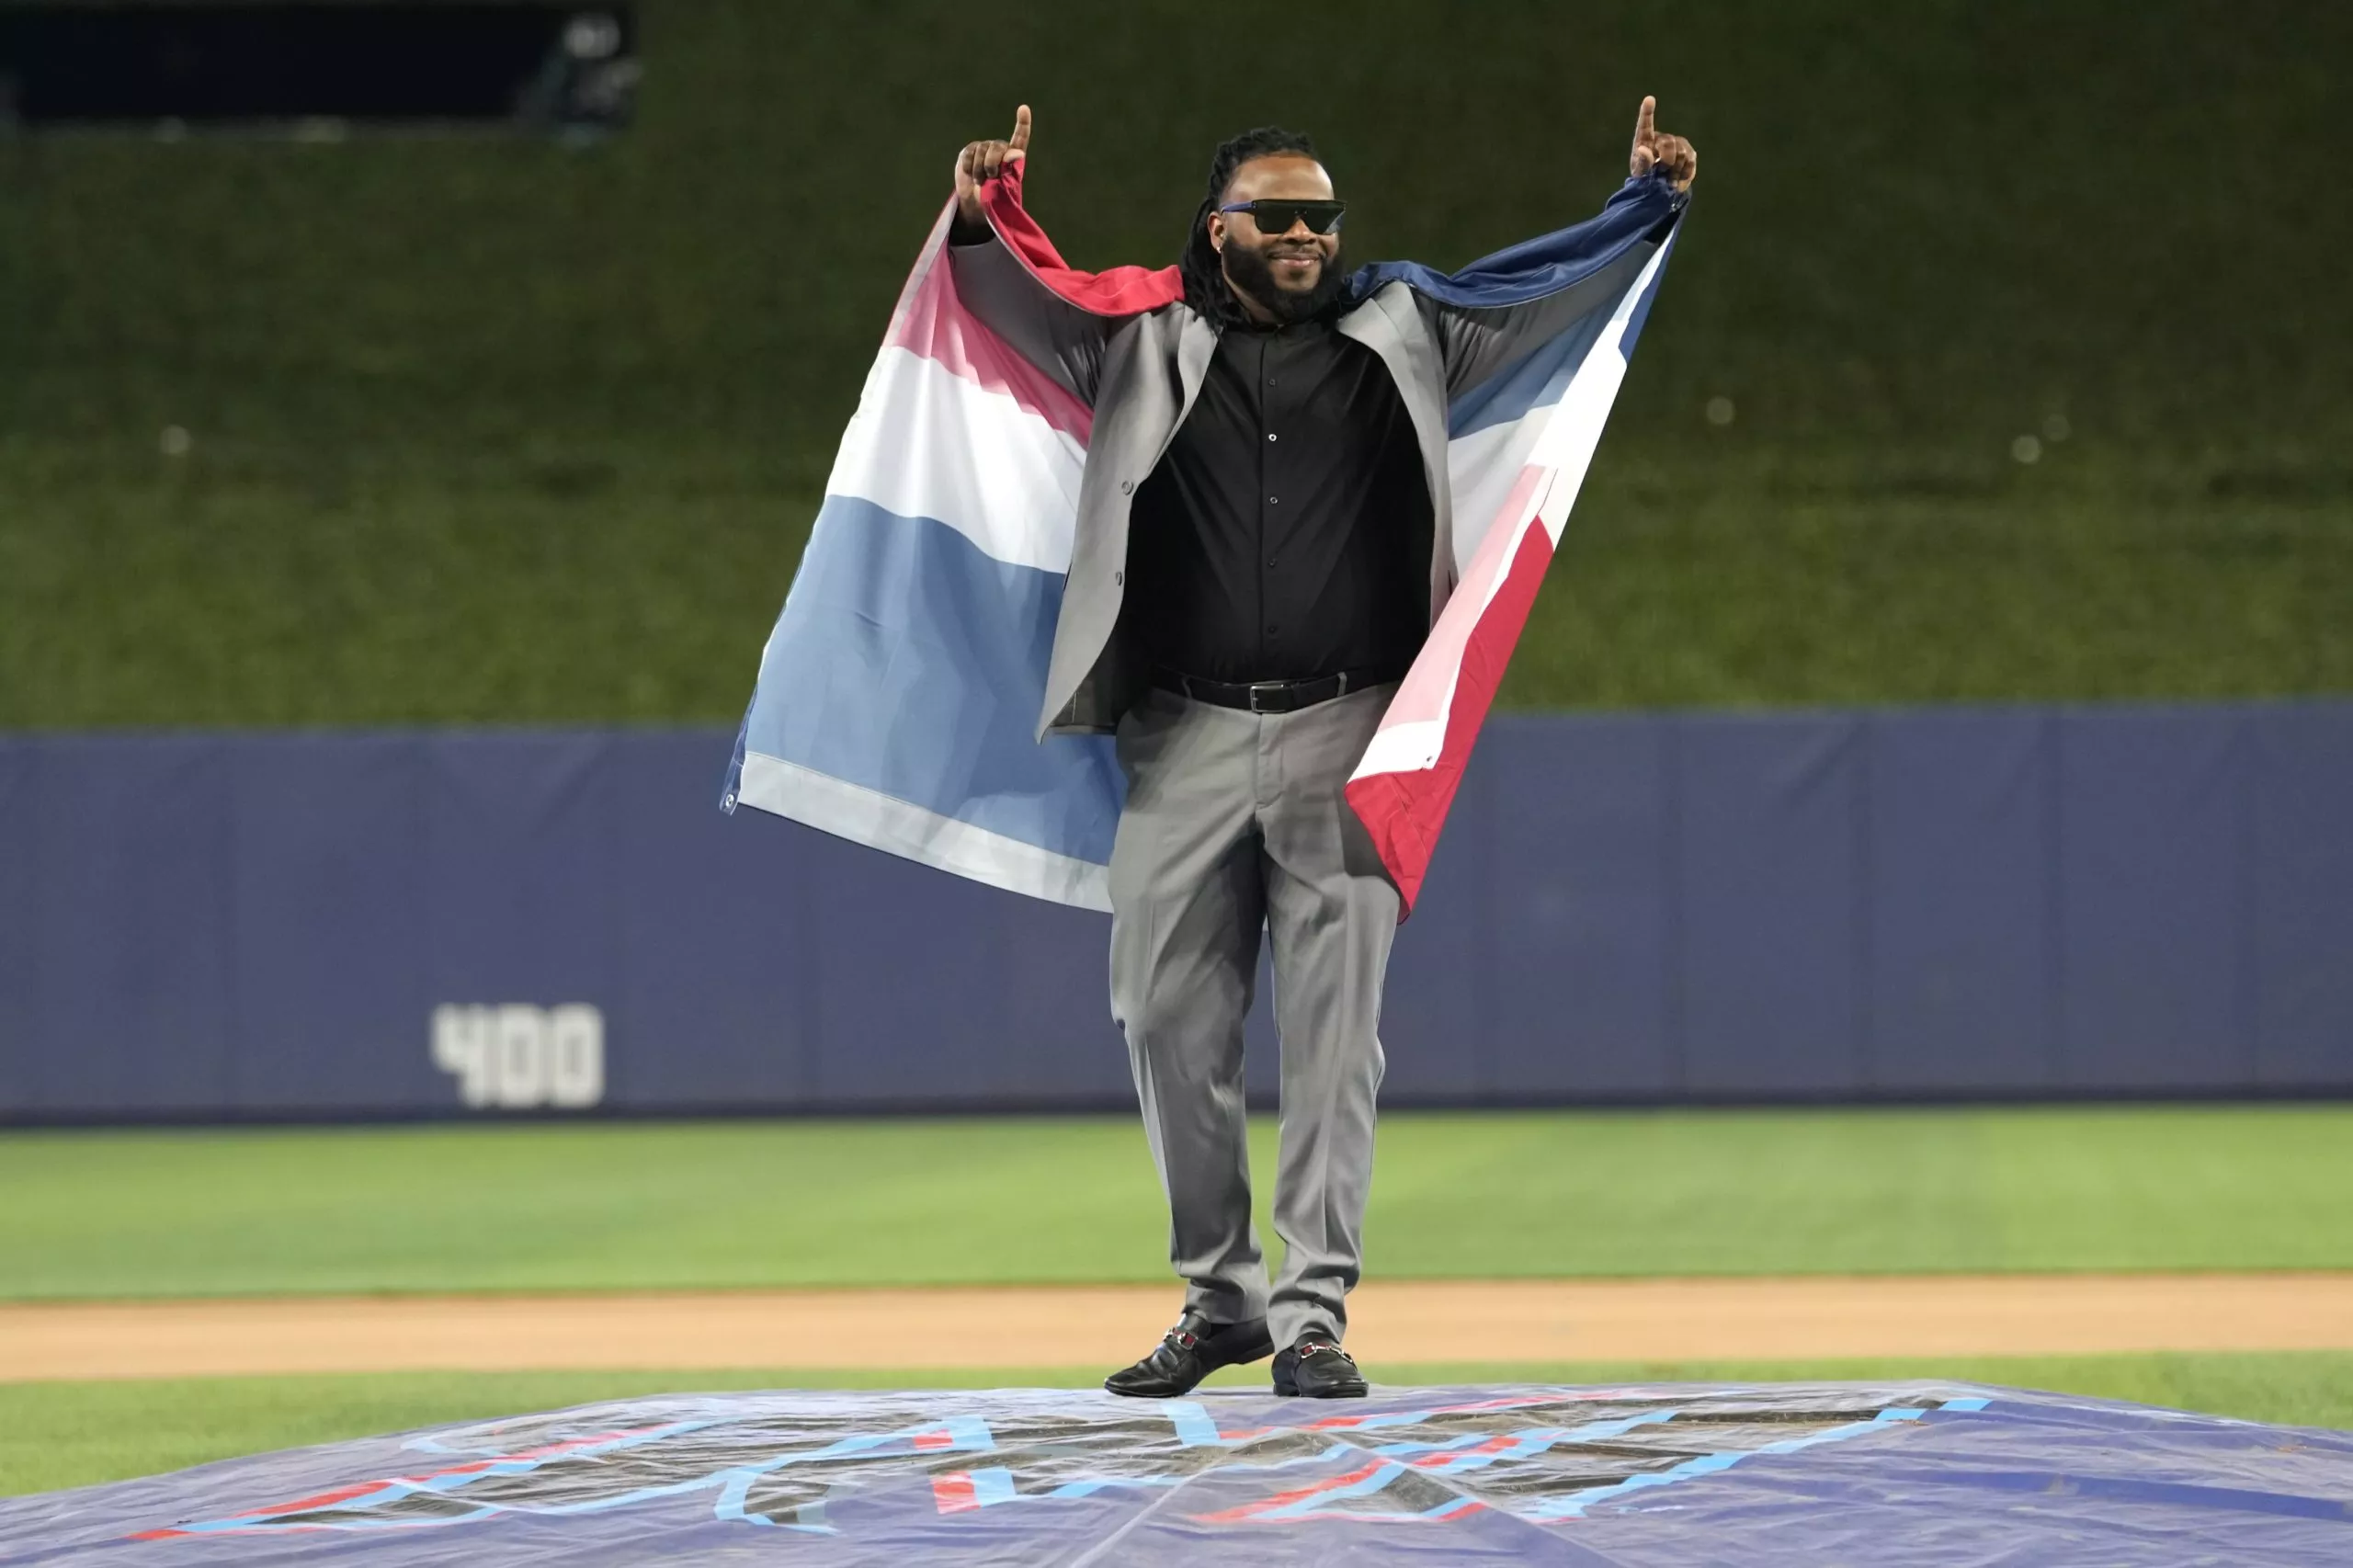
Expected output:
(1286, 532)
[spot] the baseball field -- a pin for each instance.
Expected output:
(169, 1297)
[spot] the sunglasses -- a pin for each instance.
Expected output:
(1276, 217)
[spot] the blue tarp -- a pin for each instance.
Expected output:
(1663, 1476)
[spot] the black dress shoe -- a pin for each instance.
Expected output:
(1317, 1369)
(1189, 1352)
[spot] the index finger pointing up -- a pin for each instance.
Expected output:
(1020, 143)
(1645, 131)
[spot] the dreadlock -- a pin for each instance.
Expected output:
(1205, 285)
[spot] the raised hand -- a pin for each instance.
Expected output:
(1654, 149)
(982, 161)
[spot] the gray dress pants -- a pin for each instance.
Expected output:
(1236, 822)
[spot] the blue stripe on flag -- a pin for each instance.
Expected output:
(1641, 312)
(909, 662)
(1537, 381)
(1545, 265)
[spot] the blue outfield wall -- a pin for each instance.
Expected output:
(1948, 902)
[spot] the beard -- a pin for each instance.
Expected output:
(1251, 272)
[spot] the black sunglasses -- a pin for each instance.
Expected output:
(1276, 217)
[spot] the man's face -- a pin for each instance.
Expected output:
(1294, 274)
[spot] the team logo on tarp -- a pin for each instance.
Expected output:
(812, 1463)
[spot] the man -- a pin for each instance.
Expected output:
(1264, 537)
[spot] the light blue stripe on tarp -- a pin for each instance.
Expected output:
(969, 1434)
(994, 1485)
(909, 662)
(1194, 1426)
(1709, 1464)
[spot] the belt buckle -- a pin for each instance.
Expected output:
(1258, 686)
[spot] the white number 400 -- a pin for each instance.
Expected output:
(517, 1056)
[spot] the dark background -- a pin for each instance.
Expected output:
(491, 427)
(255, 65)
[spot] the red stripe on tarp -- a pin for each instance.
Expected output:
(1296, 1494)
(953, 1493)
(1445, 1456)
(1122, 291)
(1404, 811)
(935, 1441)
(544, 1451)
(1329, 1422)
(325, 1499)
(472, 1467)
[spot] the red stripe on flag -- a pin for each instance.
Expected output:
(1404, 811)
(1122, 291)
(934, 324)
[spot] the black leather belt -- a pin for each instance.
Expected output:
(1271, 695)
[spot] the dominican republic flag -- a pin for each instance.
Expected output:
(899, 694)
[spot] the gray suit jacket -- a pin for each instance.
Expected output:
(1139, 374)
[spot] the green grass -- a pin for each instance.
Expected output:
(1529, 1194)
(60, 1434)
(209, 596)
(493, 430)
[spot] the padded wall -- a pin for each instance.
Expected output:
(1923, 903)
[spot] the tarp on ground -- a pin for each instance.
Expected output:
(1663, 1476)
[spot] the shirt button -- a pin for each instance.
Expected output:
(1274, 632)
(1270, 564)
(1274, 500)
(1119, 579)
(1127, 487)
(1270, 434)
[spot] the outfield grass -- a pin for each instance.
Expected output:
(1499, 1195)
(219, 594)
(60, 1434)
(487, 429)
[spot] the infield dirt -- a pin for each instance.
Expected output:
(1403, 1321)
